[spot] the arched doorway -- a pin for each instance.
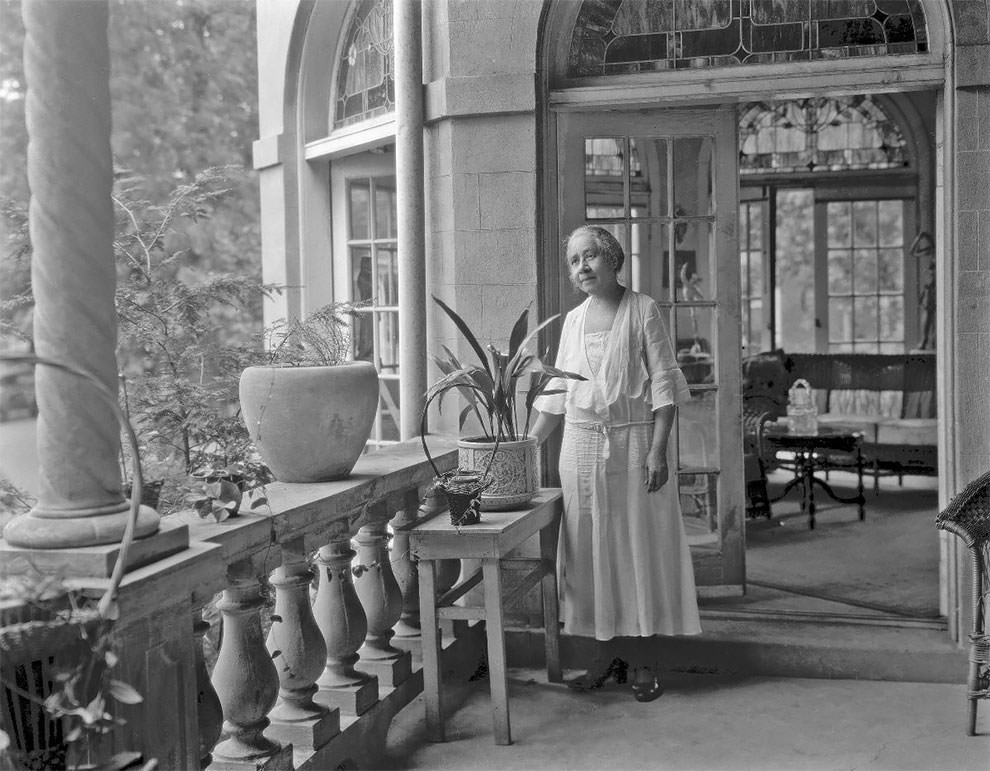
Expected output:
(626, 83)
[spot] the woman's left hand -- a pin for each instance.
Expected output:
(655, 471)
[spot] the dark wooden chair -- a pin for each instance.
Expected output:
(968, 516)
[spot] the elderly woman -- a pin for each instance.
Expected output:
(625, 567)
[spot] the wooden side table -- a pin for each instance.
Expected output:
(498, 533)
(811, 455)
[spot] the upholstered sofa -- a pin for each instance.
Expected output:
(890, 398)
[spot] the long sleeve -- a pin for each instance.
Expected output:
(555, 403)
(667, 383)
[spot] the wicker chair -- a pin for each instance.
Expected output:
(968, 516)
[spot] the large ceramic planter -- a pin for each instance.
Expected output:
(514, 467)
(310, 424)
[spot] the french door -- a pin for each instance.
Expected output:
(665, 183)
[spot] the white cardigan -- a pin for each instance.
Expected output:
(638, 361)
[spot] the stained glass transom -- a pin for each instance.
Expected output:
(819, 134)
(365, 74)
(613, 37)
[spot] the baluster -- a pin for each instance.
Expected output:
(404, 569)
(342, 621)
(207, 702)
(245, 679)
(299, 652)
(381, 598)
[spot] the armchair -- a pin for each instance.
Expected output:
(968, 516)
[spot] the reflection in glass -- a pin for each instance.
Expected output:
(359, 207)
(388, 341)
(647, 245)
(604, 177)
(388, 411)
(362, 287)
(694, 253)
(388, 276)
(648, 183)
(385, 224)
(693, 335)
(694, 177)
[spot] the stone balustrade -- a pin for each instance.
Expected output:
(329, 657)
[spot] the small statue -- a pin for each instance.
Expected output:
(923, 250)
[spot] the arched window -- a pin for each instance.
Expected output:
(819, 134)
(623, 36)
(365, 72)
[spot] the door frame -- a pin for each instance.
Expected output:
(720, 571)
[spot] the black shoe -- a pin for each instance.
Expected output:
(589, 681)
(647, 690)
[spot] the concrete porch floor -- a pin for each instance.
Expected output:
(701, 722)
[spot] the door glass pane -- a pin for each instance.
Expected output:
(387, 323)
(385, 226)
(387, 276)
(359, 194)
(648, 269)
(604, 169)
(693, 176)
(694, 333)
(648, 176)
(388, 406)
(695, 260)
(839, 319)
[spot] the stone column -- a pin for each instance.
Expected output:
(381, 598)
(210, 712)
(70, 171)
(299, 652)
(404, 569)
(410, 211)
(246, 679)
(342, 621)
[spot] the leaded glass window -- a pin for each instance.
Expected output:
(614, 37)
(365, 73)
(818, 134)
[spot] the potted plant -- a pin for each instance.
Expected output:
(491, 389)
(219, 491)
(310, 410)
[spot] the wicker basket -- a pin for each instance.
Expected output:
(462, 487)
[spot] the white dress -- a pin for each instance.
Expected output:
(624, 562)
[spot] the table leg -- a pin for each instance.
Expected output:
(429, 629)
(551, 625)
(497, 676)
(810, 488)
(859, 485)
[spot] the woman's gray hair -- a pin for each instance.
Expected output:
(607, 245)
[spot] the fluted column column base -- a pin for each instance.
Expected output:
(86, 527)
(73, 561)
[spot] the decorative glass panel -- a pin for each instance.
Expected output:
(365, 72)
(818, 134)
(621, 36)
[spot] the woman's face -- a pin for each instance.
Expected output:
(589, 270)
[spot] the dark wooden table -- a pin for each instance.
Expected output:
(490, 540)
(816, 452)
